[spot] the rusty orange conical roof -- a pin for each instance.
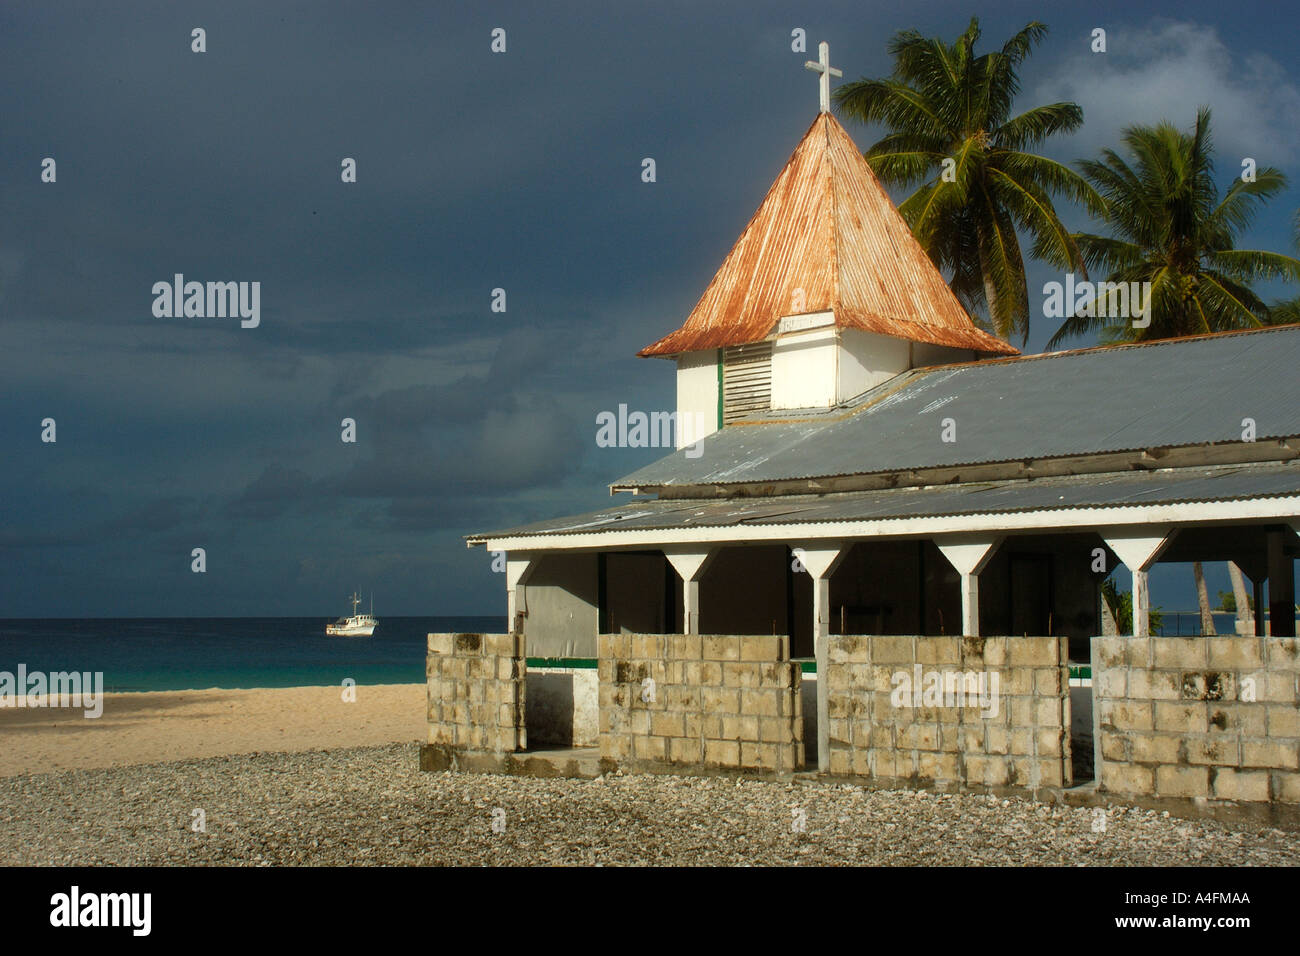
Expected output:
(827, 227)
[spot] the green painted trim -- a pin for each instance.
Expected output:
(808, 667)
(575, 663)
(719, 425)
(1080, 671)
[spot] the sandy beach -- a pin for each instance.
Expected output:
(190, 724)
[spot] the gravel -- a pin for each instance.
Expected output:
(372, 805)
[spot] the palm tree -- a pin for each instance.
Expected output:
(1287, 311)
(1171, 229)
(951, 130)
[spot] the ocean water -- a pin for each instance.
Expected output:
(151, 654)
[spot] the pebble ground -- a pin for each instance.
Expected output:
(372, 805)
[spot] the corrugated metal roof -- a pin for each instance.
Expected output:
(827, 227)
(1225, 483)
(1164, 394)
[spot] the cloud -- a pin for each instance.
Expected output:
(1165, 71)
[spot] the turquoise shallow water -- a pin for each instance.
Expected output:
(141, 654)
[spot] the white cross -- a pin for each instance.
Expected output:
(823, 66)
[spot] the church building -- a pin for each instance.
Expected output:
(882, 488)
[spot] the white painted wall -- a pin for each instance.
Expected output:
(697, 395)
(803, 369)
(866, 360)
(823, 366)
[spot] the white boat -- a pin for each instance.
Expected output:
(358, 625)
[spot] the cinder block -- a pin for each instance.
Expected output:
(1109, 652)
(651, 748)
(930, 766)
(850, 647)
(1279, 687)
(983, 770)
(1146, 684)
(1114, 747)
(1048, 712)
(667, 724)
(440, 643)
(1273, 754)
(919, 736)
(499, 645)
(1283, 720)
(722, 753)
(1286, 787)
(762, 703)
(685, 647)
(1126, 714)
(884, 763)
(1034, 651)
(774, 675)
(996, 653)
(1180, 653)
(721, 648)
(1021, 711)
(646, 647)
(1250, 720)
(740, 675)
(759, 756)
(939, 650)
(774, 730)
(639, 722)
(740, 728)
(1022, 740)
(1127, 778)
(1051, 772)
(720, 700)
(694, 724)
(1247, 785)
(1181, 718)
(893, 650)
(755, 647)
(1212, 751)
(1282, 653)
(1110, 684)
(711, 674)
(1235, 653)
(684, 750)
(997, 740)
(1155, 749)
(1050, 741)
(1048, 681)
(1016, 681)
(840, 765)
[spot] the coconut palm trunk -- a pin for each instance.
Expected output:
(1203, 599)
(1245, 613)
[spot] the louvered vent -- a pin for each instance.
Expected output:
(746, 380)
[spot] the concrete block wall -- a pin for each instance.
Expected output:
(476, 692)
(879, 729)
(729, 702)
(1203, 718)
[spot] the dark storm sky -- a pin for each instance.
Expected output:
(475, 171)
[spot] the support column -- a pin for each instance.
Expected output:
(820, 562)
(1281, 584)
(969, 556)
(519, 568)
(1257, 586)
(1139, 548)
(690, 565)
